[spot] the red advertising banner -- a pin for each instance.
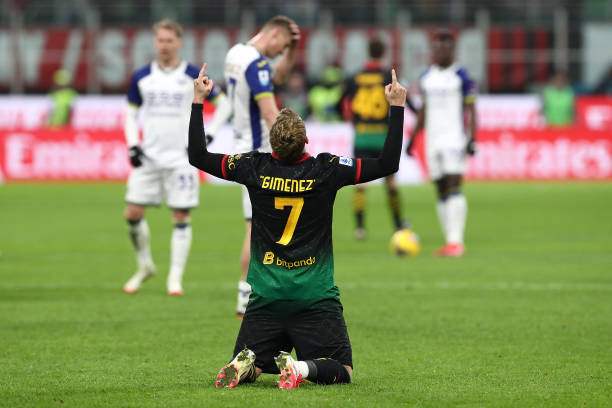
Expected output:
(594, 112)
(64, 154)
(554, 154)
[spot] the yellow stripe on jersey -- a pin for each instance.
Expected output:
(371, 128)
(264, 95)
(369, 78)
(214, 100)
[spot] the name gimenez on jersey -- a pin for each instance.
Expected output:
(286, 185)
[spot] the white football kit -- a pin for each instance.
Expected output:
(445, 91)
(164, 96)
(248, 76)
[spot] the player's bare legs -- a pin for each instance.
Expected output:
(180, 244)
(244, 289)
(452, 212)
(139, 235)
(359, 204)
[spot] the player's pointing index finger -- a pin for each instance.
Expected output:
(393, 77)
(203, 70)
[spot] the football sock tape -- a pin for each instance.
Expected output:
(134, 222)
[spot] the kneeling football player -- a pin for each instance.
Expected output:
(295, 303)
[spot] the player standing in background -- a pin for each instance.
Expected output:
(448, 97)
(366, 92)
(295, 302)
(163, 90)
(250, 84)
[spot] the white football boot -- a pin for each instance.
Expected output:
(142, 274)
(174, 285)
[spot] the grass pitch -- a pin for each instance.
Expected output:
(523, 320)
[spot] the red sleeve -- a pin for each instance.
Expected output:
(223, 161)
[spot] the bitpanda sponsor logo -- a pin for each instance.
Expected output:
(271, 259)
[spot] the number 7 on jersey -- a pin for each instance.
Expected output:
(296, 204)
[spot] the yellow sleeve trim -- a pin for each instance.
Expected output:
(264, 95)
(133, 104)
(214, 100)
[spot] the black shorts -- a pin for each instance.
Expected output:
(318, 331)
(366, 153)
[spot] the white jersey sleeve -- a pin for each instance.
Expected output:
(249, 78)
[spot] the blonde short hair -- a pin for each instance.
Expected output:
(288, 136)
(282, 22)
(169, 24)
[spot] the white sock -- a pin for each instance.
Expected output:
(179, 249)
(302, 368)
(457, 213)
(441, 207)
(139, 234)
(243, 286)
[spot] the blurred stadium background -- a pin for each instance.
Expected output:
(522, 320)
(512, 49)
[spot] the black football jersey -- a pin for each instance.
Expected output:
(291, 236)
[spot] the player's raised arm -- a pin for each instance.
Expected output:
(388, 161)
(199, 156)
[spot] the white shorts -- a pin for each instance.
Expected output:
(149, 184)
(247, 210)
(444, 161)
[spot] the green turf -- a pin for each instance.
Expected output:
(523, 320)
